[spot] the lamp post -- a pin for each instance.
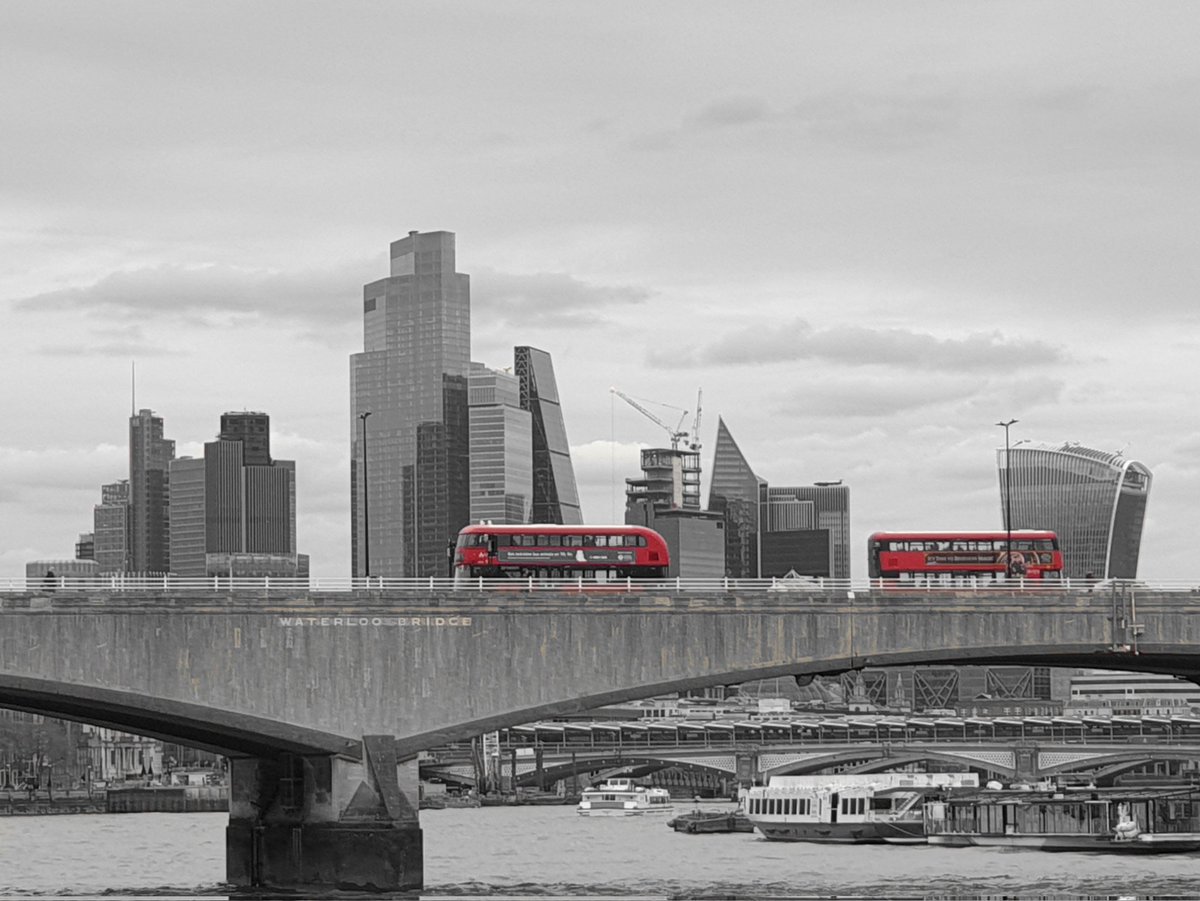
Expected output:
(1007, 499)
(366, 501)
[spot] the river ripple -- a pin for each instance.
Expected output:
(553, 852)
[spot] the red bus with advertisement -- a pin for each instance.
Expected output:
(560, 552)
(953, 557)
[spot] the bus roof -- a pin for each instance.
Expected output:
(553, 529)
(992, 534)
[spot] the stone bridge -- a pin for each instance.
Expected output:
(323, 699)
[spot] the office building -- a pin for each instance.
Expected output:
(110, 528)
(150, 455)
(187, 517)
(85, 547)
(774, 532)
(823, 507)
(501, 448)
(1094, 500)
(231, 517)
(734, 492)
(410, 487)
(555, 495)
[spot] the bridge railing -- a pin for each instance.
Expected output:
(377, 584)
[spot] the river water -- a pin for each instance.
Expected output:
(551, 852)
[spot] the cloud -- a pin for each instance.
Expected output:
(878, 121)
(730, 111)
(212, 295)
(546, 299)
(858, 346)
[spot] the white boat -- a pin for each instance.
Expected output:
(623, 797)
(848, 808)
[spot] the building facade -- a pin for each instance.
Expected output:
(555, 494)
(224, 507)
(409, 415)
(821, 507)
(501, 448)
(734, 492)
(110, 529)
(1094, 500)
(150, 456)
(663, 499)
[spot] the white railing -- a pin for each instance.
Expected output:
(834, 588)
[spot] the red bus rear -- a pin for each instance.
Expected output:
(560, 552)
(957, 556)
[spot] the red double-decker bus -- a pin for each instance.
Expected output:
(947, 556)
(560, 552)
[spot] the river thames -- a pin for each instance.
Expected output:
(550, 852)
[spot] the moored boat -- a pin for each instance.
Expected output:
(623, 797)
(710, 821)
(1111, 821)
(849, 808)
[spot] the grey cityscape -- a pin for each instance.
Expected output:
(449, 443)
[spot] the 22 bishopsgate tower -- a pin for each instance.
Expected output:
(409, 424)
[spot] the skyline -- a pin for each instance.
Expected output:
(868, 233)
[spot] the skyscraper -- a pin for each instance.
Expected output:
(226, 507)
(110, 526)
(1094, 500)
(821, 507)
(409, 416)
(734, 492)
(150, 455)
(501, 448)
(555, 495)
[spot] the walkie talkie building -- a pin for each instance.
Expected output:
(1094, 500)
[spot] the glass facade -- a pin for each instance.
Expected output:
(734, 492)
(150, 456)
(823, 507)
(1095, 501)
(410, 491)
(555, 495)
(501, 449)
(187, 517)
(110, 528)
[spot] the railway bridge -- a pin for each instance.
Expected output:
(323, 698)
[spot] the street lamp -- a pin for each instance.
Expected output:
(1007, 498)
(366, 501)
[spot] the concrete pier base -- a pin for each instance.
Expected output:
(325, 856)
(325, 823)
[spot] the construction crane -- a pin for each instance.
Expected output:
(676, 434)
(694, 444)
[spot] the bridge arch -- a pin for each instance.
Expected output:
(209, 728)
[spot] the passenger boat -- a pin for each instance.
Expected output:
(623, 797)
(849, 808)
(1112, 821)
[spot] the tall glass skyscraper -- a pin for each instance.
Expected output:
(555, 495)
(150, 456)
(734, 491)
(1094, 500)
(501, 448)
(410, 490)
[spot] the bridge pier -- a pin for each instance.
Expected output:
(325, 823)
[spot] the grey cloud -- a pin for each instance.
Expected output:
(213, 294)
(729, 111)
(878, 120)
(857, 346)
(547, 299)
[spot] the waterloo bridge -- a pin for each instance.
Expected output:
(323, 699)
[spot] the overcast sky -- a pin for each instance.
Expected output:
(868, 230)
